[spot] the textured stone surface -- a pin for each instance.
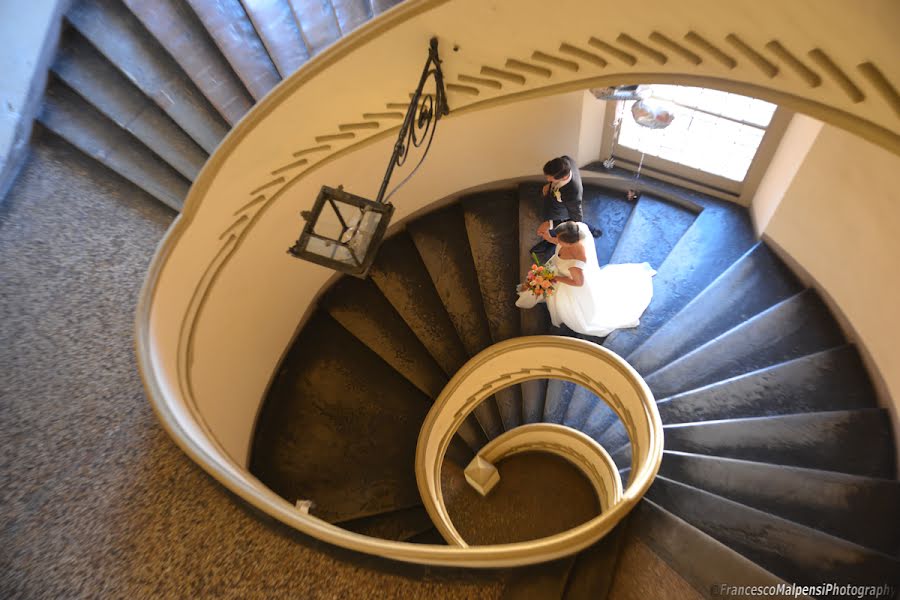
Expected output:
(228, 24)
(537, 582)
(715, 239)
(274, 22)
(536, 484)
(859, 509)
(651, 219)
(559, 393)
(318, 23)
(798, 326)
(95, 499)
(854, 441)
(609, 211)
(351, 14)
(96, 80)
(339, 427)
(401, 276)
(121, 38)
(70, 116)
(398, 525)
(754, 283)
(581, 405)
(177, 28)
(831, 380)
(641, 574)
(794, 552)
(695, 556)
(592, 574)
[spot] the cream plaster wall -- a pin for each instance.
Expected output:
(593, 126)
(788, 158)
(840, 219)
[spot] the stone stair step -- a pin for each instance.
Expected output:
(796, 327)
(755, 282)
(703, 561)
(534, 321)
(360, 307)
(834, 379)
(351, 14)
(400, 274)
(379, 6)
(662, 222)
(441, 240)
(601, 418)
(538, 582)
(318, 23)
(857, 442)
(339, 427)
(95, 79)
(230, 27)
(622, 456)
(716, 238)
(399, 525)
(615, 437)
(609, 211)
(591, 577)
(180, 32)
(275, 23)
(491, 220)
(534, 393)
(581, 405)
(120, 37)
(431, 537)
(859, 509)
(71, 117)
(492, 228)
(559, 394)
(796, 553)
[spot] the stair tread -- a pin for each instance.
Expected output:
(609, 211)
(580, 407)
(351, 14)
(559, 394)
(361, 309)
(274, 22)
(318, 23)
(755, 282)
(854, 441)
(716, 238)
(795, 327)
(859, 509)
(652, 219)
(591, 577)
(402, 277)
(121, 38)
(74, 119)
(180, 32)
(87, 72)
(399, 525)
(699, 558)
(834, 379)
(230, 27)
(339, 427)
(379, 6)
(797, 553)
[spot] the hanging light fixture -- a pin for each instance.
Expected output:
(343, 231)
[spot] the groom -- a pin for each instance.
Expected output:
(560, 200)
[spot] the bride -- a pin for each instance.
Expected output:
(590, 299)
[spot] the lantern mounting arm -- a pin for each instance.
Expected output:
(422, 115)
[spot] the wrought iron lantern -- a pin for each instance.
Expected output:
(343, 231)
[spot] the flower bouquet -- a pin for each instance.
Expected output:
(538, 286)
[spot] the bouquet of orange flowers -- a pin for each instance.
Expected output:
(539, 284)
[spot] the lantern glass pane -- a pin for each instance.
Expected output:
(331, 250)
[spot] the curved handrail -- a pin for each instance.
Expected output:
(567, 443)
(539, 357)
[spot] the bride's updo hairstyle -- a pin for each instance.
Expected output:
(568, 232)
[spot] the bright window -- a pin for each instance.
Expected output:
(713, 131)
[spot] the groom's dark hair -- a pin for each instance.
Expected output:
(558, 168)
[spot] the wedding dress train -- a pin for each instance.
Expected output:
(612, 297)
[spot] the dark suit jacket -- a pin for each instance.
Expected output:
(570, 207)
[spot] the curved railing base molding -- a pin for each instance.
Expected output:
(565, 442)
(517, 360)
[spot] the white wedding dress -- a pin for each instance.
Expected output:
(612, 297)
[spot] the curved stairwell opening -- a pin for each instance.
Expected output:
(778, 462)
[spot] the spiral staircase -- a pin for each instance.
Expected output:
(778, 464)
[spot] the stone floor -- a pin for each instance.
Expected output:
(95, 500)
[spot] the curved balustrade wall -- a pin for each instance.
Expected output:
(222, 298)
